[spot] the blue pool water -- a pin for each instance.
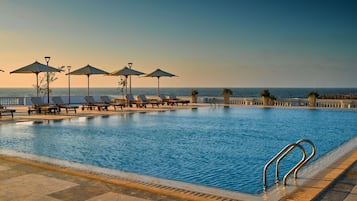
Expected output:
(219, 147)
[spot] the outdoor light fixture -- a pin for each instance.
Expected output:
(130, 64)
(47, 59)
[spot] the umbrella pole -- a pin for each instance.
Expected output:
(37, 84)
(88, 84)
(158, 86)
(48, 87)
(126, 85)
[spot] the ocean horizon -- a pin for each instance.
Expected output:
(185, 91)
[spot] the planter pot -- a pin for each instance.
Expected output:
(312, 101)
(193, 99)
(266, 100)
(226, 99)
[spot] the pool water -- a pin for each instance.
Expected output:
(219, 147)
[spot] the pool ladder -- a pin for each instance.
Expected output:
(282, 154)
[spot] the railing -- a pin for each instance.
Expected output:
(256, 101)
(282, 154)
(283, 102)
(12, 100)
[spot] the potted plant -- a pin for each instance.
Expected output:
(266, 96)
(194, 93)
(226, 93)
(272, 100)
(311, 97)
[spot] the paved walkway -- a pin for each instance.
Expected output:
(22, 182)
(336, 183)
(344, 188)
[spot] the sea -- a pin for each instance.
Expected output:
(210, 92)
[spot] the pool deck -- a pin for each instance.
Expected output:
(24, 179)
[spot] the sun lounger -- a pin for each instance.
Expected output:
(130, 100)
(164, 99)
(91, 103)
(107, 100)
(174, 100)
(39, 106)
(5, 111)
(143, 99)
(140, 102)
(168, 101)
(57, 100)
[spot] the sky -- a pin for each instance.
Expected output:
(206, 43)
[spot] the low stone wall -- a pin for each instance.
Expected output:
(248, 101)
(283, 102)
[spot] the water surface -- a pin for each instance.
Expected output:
(219, 147)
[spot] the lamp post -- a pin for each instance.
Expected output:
(69, 84)
(130, 65)
(47, 59)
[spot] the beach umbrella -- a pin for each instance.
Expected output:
(126, 72)
(36, 68)
(159, 73)
(88, 70)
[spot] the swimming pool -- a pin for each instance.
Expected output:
(219, 147)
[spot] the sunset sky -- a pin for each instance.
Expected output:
(207, 43)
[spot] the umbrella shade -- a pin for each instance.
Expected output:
(89, 70)
(126, 72)
(159, 73)
(36, 68)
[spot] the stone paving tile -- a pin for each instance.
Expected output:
(107, 187)
(351, 197)
(78, 193)
(31, 185)
(115, 197)
(34, 198)
(343, 189)
(27, 169)
(68, 177)
(354, 190)
(2, 168)
(15, 170)
(15, 179)
(10, 173)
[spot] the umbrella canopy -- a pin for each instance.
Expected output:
(159, 73)
(88, 70)
(36, 68)
(126, 72)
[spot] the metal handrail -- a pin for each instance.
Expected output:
(282, 154)
(285, 149)
(313, 152)
(302, 163)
